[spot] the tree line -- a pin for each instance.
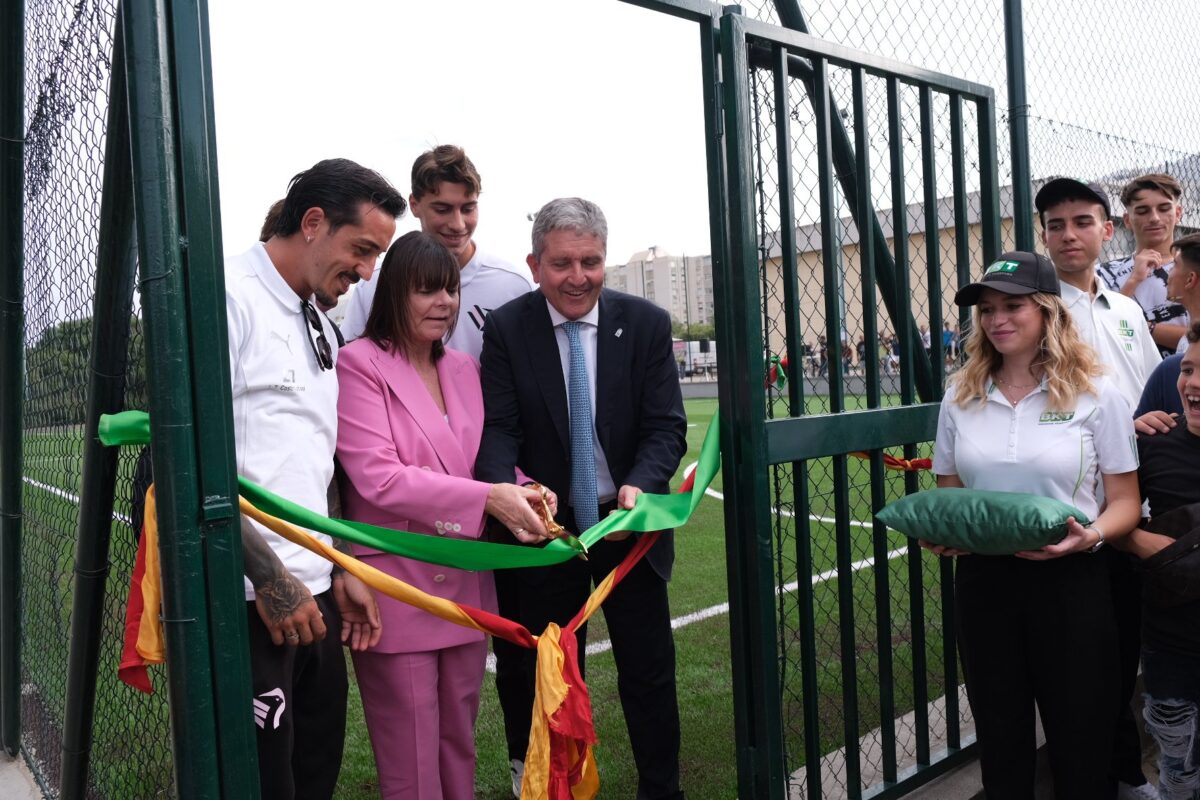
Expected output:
(57, 373)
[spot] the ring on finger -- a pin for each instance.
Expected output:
(293, 637)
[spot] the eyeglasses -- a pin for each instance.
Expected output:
(320, 345)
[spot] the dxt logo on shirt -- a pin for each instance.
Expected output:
(1126, 332)
(1055, 417)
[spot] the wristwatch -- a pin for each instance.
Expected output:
(1099, 542)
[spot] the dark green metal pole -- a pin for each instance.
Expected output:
(1018, 124)
(160, 245)
(744, 718)
(205, 280)
(116, 267)
(761, 768)
(12, 360)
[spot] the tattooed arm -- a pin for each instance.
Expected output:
(284, 603)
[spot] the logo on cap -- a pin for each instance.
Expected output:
(1002, 266)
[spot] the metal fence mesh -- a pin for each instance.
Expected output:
(1096, 112)
(68, 63)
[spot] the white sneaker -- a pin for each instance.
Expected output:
(517, 767)
(1144, 792)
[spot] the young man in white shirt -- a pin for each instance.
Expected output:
(1076, 223)
(445, 198)
(1152, 210)
(336, 220)
(1075, 226)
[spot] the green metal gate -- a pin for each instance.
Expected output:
(845, 669)
(843, 638)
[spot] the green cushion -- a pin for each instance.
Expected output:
(983, 522)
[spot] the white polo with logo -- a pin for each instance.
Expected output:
(1035, 450)
(284, 404)
(1114, 325)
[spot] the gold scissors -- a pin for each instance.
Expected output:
(553, 528)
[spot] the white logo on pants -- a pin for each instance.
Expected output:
(267, 702)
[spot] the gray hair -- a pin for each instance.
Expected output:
(572, 214)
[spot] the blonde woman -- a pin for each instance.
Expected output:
(1030, 412)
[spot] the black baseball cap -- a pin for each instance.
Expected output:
(1058, 189)
(1016, 272)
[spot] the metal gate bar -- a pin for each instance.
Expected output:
(798, 439)
(12, 359)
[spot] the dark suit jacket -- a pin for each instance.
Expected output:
(640, 421)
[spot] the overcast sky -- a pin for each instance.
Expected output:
(594, 98)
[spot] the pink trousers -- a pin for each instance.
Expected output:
(420, 710)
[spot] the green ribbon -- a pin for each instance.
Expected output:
(652, 512)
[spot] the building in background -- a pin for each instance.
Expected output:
(683, 285)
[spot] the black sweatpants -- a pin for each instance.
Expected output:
(1127, 603)
(1040, 633)
(299, 709)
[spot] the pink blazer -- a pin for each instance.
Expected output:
(407, 468)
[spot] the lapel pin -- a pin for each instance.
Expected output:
(618, 333)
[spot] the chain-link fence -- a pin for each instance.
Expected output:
(1096, 112)
(69, 50)
(875, 606)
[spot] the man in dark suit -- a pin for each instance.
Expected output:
(582, 393)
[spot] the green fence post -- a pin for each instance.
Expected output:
(1018, 124)
(761, 772)
(12, 361)
(116, 267)
(205, 281)
(160, 246)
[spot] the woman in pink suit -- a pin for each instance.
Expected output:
(410, 414)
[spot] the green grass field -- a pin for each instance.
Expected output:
(708, 763)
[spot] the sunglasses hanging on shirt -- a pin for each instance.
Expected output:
(319, 344)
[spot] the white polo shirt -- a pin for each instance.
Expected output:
(1029, 449)
(1113, 324)
(284, 405)
(487, 282)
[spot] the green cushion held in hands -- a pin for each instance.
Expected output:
(980, 521)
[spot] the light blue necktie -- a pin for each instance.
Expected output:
(583, 455)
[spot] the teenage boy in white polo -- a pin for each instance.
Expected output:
(1152, 210)
(445, 198)
(1076, 223)
(336, 220)
(1075, 226)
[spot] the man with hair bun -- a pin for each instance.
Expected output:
(336, 220)
(445, 198)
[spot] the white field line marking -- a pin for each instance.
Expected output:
(65, 495)
(711, 492)
(723, 608)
